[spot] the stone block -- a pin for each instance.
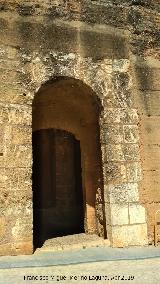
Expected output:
(3, 115)
(133, 235)
(114, 172)
(15, 202)
(136, 214)
(15, 95)
(2, 132)
(118, 99)
(130, 116)
(131, 152)
(7, 75)
(134, 172)
(2, 227)
(112, 115)
(148, 77)
(151, 209)
(19, 156)
(10, 52)
(120, 115)
(21, 135)
(112, 134)
(133, 193)
(150, 154)
(121, 80)
(6, 249)
(121, 193)
(119, 214)
(113, 153)
(3, 178)
(18, 178)
(107, 62)
(121, 65)
(9, 67)
(25, 247)
(150, 187)
(22, 229)
(131, 134)
(149, 128)
(2, 160)
(148, 102)
(16, 115)
(118, 193)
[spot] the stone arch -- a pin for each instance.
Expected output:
(70, 105)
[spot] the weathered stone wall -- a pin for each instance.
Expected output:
(147, 99)
(108, 46)
(145, 47)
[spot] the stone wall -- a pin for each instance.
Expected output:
(113, 48)
(147, 96)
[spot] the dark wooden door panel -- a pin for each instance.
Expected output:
(57, 184)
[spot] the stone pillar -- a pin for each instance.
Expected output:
(125, 217)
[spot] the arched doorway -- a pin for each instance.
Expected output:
(66, 161)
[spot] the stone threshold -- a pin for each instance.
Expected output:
(73, 242)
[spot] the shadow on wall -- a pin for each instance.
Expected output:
(144, 78)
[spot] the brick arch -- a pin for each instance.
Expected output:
(70, 105)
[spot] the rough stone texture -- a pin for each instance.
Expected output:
(134, 173)
(129, 235)
(111, 46)
(121, 193)
(119, 214)
(146, 76)
(71, 242)
(136, 214)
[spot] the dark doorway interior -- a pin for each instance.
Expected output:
(57, 185)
